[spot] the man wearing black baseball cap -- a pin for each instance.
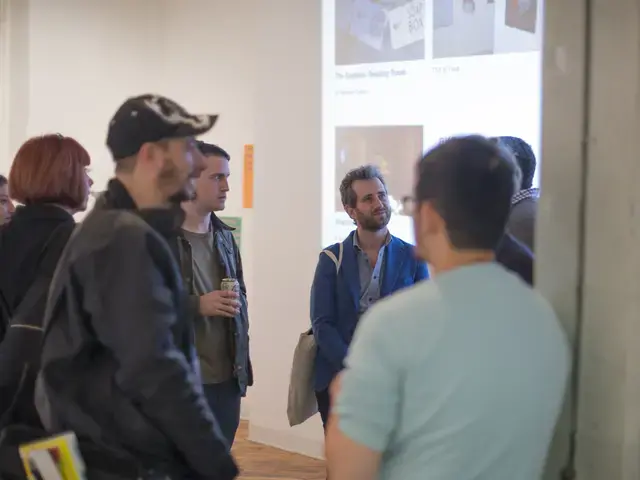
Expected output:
(118, 362)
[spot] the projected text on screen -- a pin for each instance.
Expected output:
(400, 75)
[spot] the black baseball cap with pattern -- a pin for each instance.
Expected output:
(151, 118)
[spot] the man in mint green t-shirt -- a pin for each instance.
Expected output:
(461, 377)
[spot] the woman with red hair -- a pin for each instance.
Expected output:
(49, 179)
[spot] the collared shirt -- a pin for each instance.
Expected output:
(370, 277)
(525, 194)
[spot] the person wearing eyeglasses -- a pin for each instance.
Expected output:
(463, 376)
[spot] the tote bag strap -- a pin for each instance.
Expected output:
(337, 260)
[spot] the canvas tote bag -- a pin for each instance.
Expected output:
(302, 404)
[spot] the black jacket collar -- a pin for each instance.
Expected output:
(167, 221)
(219, 224)
(38, 211)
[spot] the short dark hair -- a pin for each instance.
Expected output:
(209, 149)
(517, 172)
(525, 157)
(50, 169)
(364, 172)
(3, 180)
(469, 182)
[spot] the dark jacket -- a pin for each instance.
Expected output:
(118, 362)
(30, 247)
(522, 221)
(228, 254)
(335, 299)
(516, 257)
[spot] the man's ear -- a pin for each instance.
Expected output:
(430, 218)
(146, 152)
(350, 211)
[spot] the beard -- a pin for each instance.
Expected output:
(172, 181)
(184, 195)
(375, 221)
(178, 198)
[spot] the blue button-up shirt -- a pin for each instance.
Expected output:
(370, 277)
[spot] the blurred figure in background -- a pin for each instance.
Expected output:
(49, 178)
(461, 377)
(522, 220)
(511, 252)
(372, 264)
(516, 257)
(6, 205)
(209, 253)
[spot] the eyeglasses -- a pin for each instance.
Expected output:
(408, 205)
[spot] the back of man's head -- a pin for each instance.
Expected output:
(525, 157)
(468, 181)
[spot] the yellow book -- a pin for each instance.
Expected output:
(54, 458)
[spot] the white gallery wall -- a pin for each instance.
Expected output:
(78, 61)
(287, 216)
(66, 65)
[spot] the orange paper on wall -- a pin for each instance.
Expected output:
(247, 178)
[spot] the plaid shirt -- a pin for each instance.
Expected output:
(525, 194)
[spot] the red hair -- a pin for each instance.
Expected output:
(50, 169)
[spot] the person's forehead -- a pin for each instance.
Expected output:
(367, 187)
(216, 163)
(4, 190)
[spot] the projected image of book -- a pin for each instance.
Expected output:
(442, 13)
(393, 149)
(463, 28)
(378, 31)
(522, 14)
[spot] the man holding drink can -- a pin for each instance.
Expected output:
(212, 270)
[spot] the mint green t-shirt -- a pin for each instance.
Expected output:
(460, 377)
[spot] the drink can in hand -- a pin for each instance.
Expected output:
(230, 285)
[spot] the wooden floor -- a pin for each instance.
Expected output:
(259, 462)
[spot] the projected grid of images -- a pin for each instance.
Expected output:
(378, 31)
(522, 15)
(393, 149)
(463, 28)
(403, 68)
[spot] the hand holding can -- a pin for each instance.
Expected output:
(230, 285)
(222, 303)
